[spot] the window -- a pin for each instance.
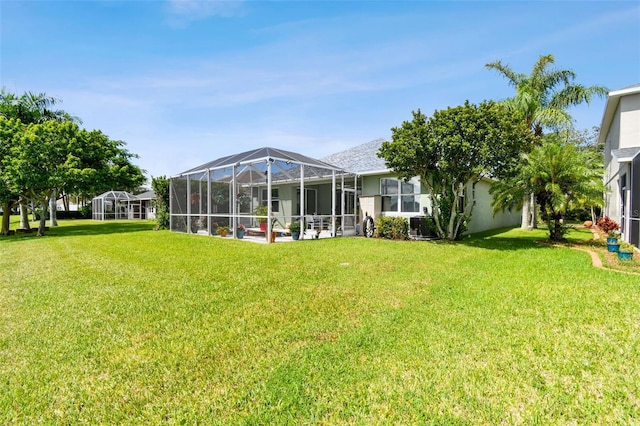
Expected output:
(399, 196)
(275, 199)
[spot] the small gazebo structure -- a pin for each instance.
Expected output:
(116, 205)
(288, 187)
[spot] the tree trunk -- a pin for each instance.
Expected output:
(24, 214)
(524, 224)
(533, 212)
(53, 220)
(6, 218)
(43, 219)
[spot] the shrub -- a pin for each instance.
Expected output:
(392, 227)
(607, 225)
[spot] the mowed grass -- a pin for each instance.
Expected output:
(117, 324)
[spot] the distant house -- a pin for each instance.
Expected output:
(383, 194)
(620, 133)
(123, 205)
(147, 207)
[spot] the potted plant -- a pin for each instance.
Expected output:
(625, 251)
(240, 230)
(295, 230)
(223, 231)
(262, 211)
(612, 241)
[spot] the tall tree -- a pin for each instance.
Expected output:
(53, 155)
(160, 186)
(559, 175)
(9, 196)
(31, 108)
(543, 97)
(453, 151)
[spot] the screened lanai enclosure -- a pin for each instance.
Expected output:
(262, 192)
(116, 205)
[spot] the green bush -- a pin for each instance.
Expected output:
(392, 227)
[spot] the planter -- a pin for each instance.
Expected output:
(273, 237)
(613, 247)
(612, 240)
(222, 234)
(295, 236)
(263, 226)
(240, 234)
(625, 255)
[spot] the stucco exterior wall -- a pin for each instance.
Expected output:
(482, 216)
(624, 132)
(621, 131)
(629, 117)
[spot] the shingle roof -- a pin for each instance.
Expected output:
(625, 154)
(361, 159)
(147, 195)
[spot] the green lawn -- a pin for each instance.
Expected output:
(118, 324)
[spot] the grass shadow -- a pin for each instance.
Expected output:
(499, 239)
(80, 227)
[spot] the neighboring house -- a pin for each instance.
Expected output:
(147, 207)
(383, 194)
(620, 133)
(123, 205)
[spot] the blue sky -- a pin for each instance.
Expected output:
(183, 82)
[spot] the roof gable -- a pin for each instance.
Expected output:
(361, 159)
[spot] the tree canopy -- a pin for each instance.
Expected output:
(452, 151)
(543, 97)
(49, 152)
(559, 174)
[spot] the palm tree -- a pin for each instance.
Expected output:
(543, 97)
(32, 108)
(559, 175)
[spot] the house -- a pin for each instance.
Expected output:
(330, 196)
(381, 193)
(620, 133)
(123, 205)
(147, 207)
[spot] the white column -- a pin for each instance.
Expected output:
(208, 202)
(188, 204)
(269, 212)
(303, 211)
(333, 203)
(234, 201)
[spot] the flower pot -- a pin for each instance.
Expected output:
(263, 226)
(222, 234)
(613, 247)
(612, 240)
(240, 235)
(214, 231)
(273, 237)
(295, 236)
(625, 255)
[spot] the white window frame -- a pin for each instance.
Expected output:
(415, 182)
